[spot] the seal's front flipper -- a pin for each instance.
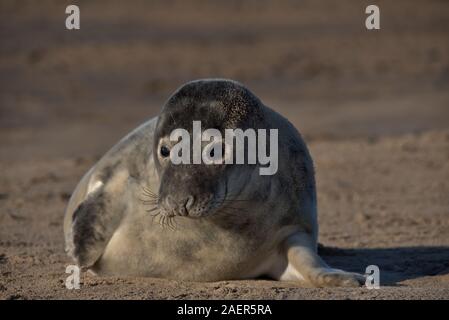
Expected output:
(92, 227)
(302, 256)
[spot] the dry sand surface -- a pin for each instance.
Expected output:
(373, 107)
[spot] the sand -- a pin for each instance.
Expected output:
(372, 106)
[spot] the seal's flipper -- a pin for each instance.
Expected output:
(102, 198)
(305, 261)
(92, 227)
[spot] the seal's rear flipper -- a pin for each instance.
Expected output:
(304, 260)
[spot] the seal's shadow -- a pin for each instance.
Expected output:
(395, 264)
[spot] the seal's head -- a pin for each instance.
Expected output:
(199, 189)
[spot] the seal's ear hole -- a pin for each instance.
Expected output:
(165, 151)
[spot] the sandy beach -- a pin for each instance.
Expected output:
(373, 107)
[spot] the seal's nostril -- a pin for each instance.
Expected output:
(189, 202)
(171, 203)
(183, 211)
(180, 205)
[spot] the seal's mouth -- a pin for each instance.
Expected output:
(172, 207)
(165, 209)
(189, 206)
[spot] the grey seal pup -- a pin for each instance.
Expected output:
(135, 213)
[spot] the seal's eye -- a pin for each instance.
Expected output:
(165, 151)
(212, 151)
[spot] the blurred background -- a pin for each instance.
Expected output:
(76, 92)
(373, 107)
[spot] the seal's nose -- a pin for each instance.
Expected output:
(190, 202)
(181, 205)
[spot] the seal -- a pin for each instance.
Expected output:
(135, 213)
